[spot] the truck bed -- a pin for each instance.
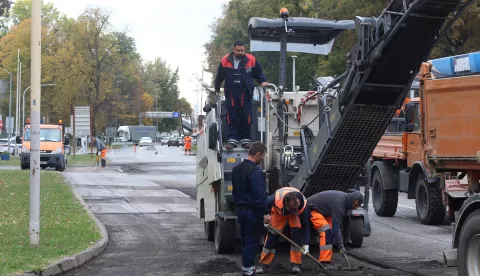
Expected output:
(453, 119)
(388, 70)
(390, 147)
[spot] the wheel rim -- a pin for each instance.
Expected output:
(377, 193)
(422, 203)
(473, 257)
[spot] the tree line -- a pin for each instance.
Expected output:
(91, 63)
(462, 37)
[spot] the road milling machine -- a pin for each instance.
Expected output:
(321, 139)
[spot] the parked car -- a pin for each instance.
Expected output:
(145, 141)
(13, 145)
(180, 141)
(164, 141)
(173, 141)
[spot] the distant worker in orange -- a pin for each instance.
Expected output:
(101, 150)
(188, 143)
(401, 111)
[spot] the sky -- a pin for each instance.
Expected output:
(172, 30)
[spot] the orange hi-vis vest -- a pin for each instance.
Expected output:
(280, 194)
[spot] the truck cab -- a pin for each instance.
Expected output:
(52, 146)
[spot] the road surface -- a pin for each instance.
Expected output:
(147, 203)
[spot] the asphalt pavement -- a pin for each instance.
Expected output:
(146, 200)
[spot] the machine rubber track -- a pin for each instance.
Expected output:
(382, 80)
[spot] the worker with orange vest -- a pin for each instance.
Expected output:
(287, 205)
(401, 110)
(188, 143)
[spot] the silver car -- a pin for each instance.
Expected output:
(145, 141)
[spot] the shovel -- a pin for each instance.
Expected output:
(320, 265)
(348, 263)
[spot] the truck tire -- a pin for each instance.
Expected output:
(224, 236)
(356, 231)
(209, 230)
(384, 201)
(428, 201)
(469, 242)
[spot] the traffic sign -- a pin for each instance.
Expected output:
(111, 131)
(176, 114)
(159, 114)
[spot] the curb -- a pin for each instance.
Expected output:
(79, 259)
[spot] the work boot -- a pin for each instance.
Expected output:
(296, 269)
(261, 269)
(232, 143)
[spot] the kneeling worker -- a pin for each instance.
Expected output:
(327, 210)
(286, 205)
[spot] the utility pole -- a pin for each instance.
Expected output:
(36, 54)
(9, 110)
(18, 93)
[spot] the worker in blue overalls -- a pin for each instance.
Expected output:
(239, 70)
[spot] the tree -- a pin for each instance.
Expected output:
(232, 25)
(161, 82)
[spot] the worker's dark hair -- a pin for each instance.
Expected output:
(291, 197)
(257, 147)
(238, 43)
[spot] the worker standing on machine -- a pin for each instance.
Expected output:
(188, 143)
(327, 210)
(248, 190)
(239, 70)
(286, 205)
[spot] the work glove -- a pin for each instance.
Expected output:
(266, 219)
(343, 251)
(305, 249)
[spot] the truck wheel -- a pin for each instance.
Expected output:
(209, 230)
(356, 231)
(384, 201)
(224, 236)
(469, 243)
(428, 200)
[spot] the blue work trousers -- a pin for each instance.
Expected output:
(251, 230)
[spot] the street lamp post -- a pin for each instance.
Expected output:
(9, 109)
(23, 100)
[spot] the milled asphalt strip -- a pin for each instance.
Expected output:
(77, 260)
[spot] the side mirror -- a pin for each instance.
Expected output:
(212, 136)
(18, 140)
(410, 127)
(67, 141)
(409, 112)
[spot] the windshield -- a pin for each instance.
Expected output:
(46, 135)
(416, 119)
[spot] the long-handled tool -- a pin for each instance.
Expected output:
(320, 265)
(348, 262)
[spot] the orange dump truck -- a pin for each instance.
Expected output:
(432, 150)
(52, 147)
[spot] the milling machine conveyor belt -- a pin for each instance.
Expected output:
(382, 69)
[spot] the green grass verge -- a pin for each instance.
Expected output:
(13, 161)
(81, 160)
(65, 227)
